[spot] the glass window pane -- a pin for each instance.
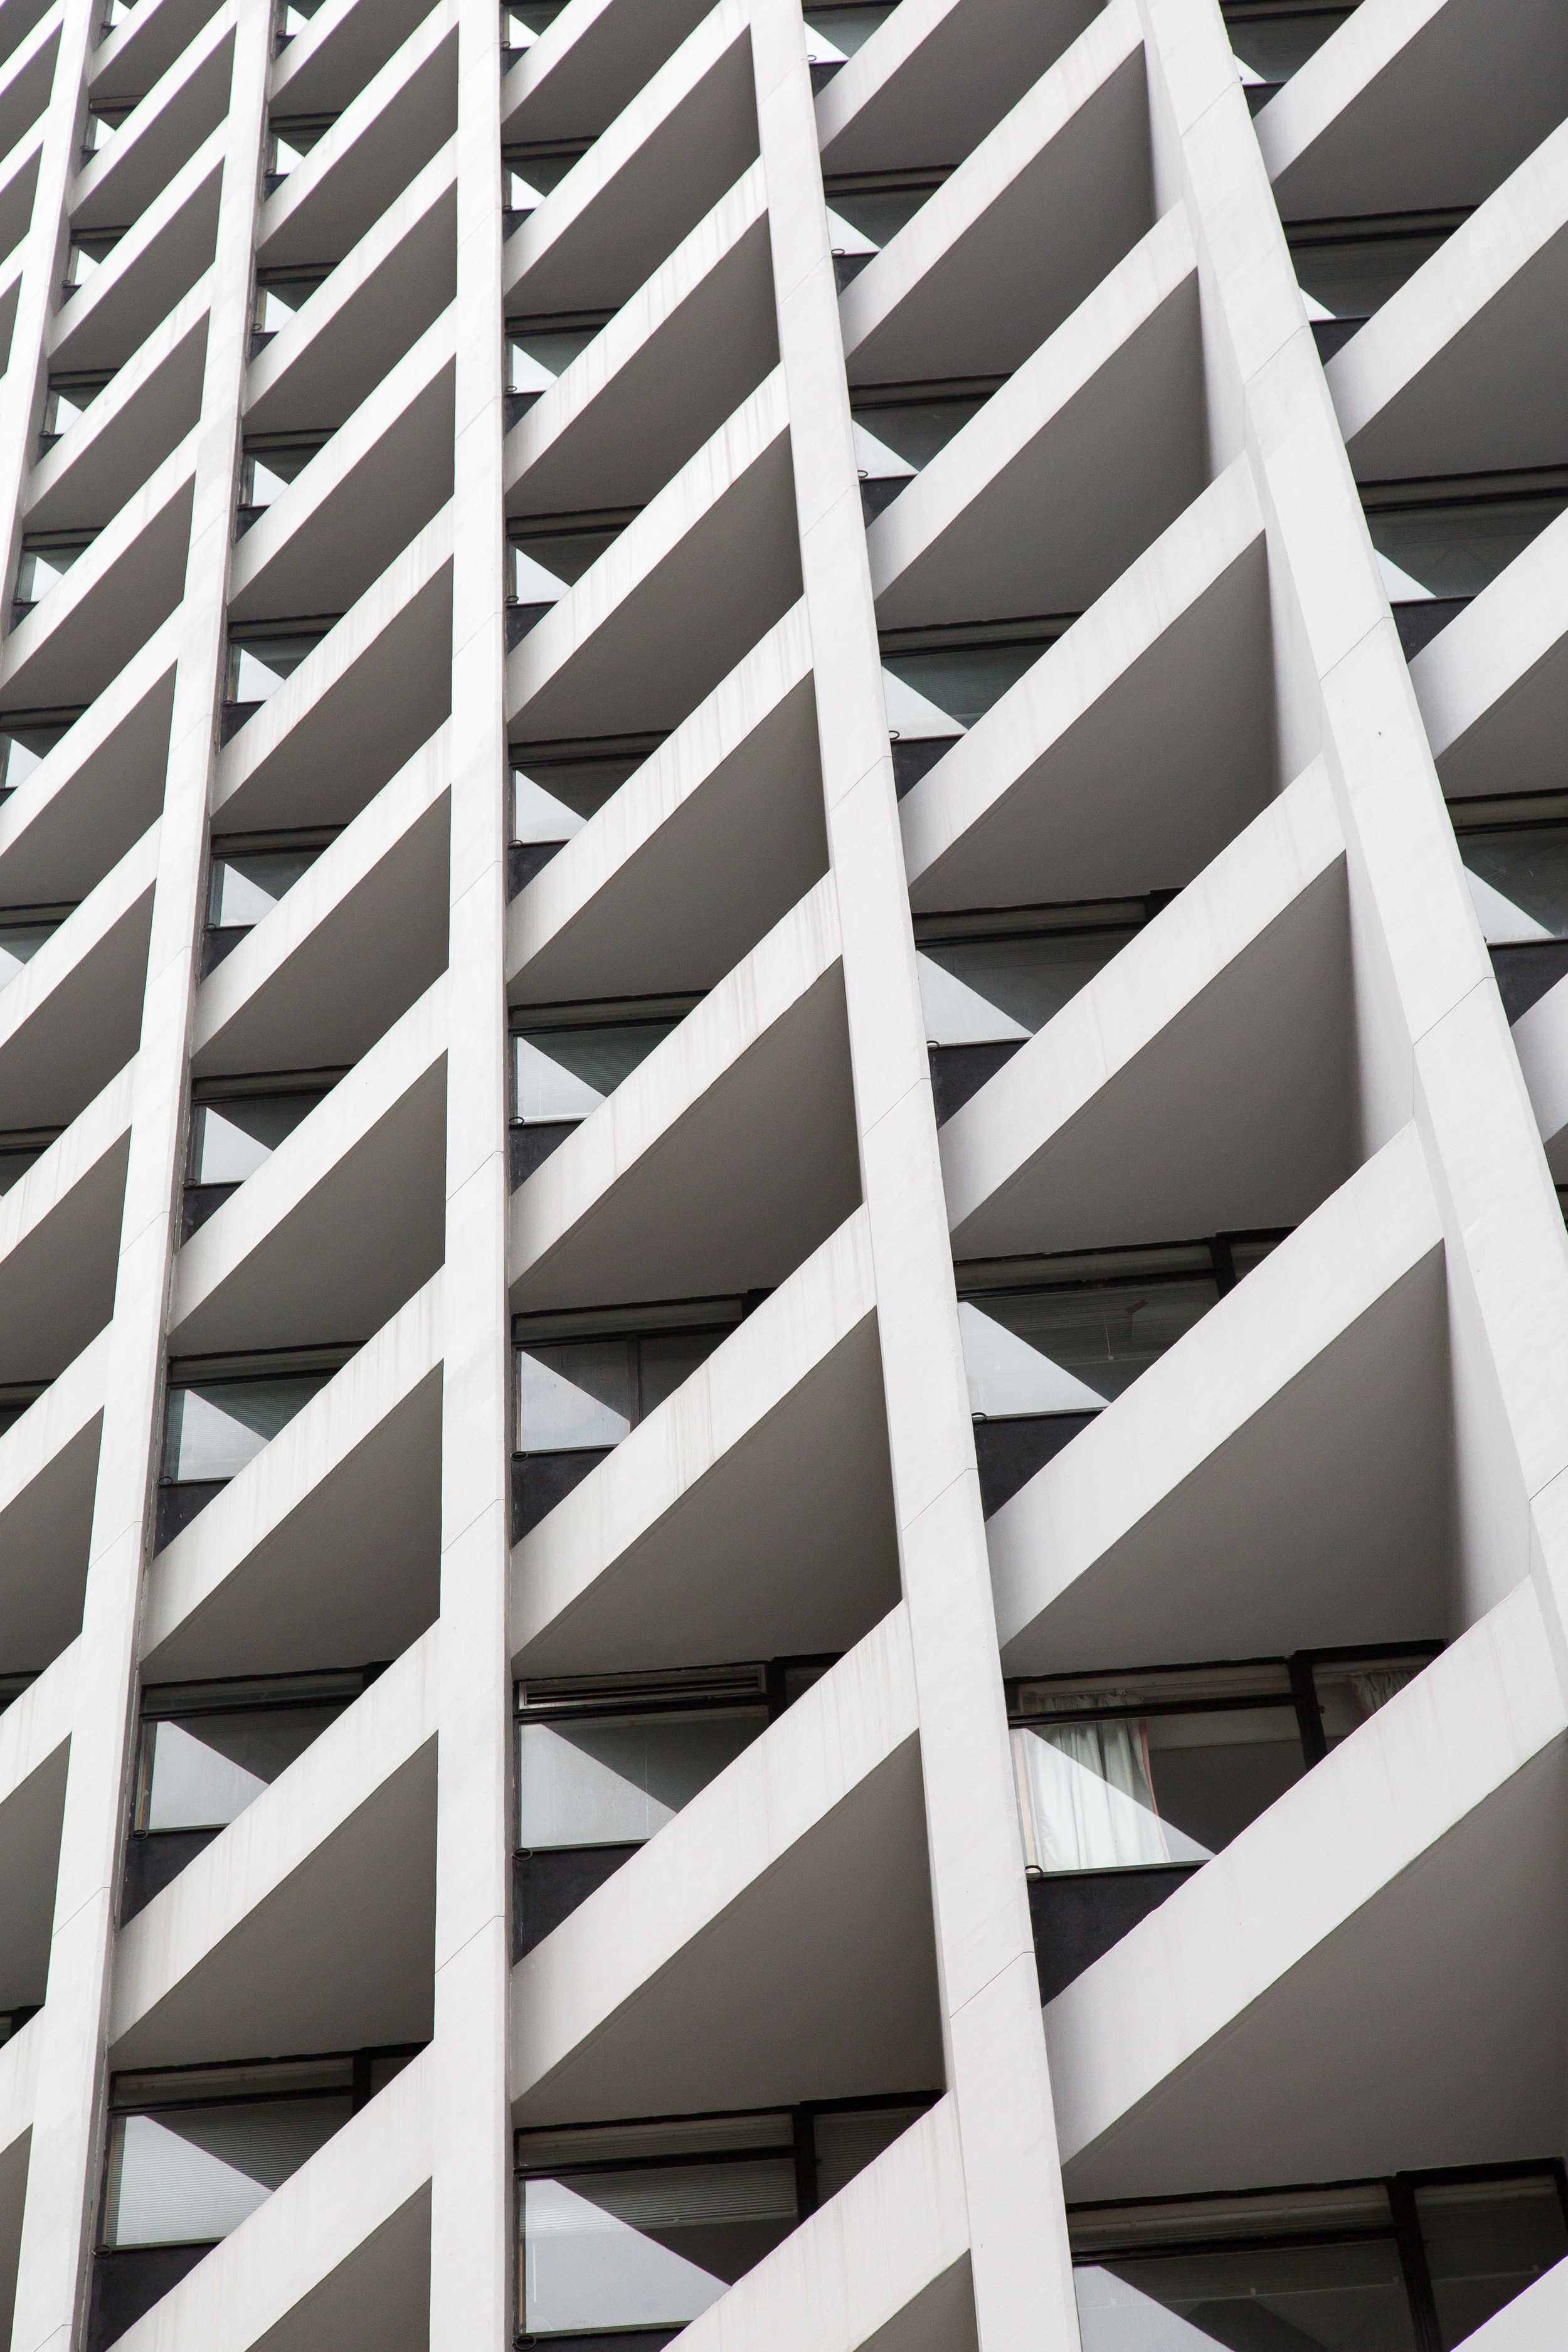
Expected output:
(839, 32)
(845, 2144)
(1071, 1351)
(575, 1393)
(567, 1072)
(1353, 279)
(552, 799)
(1348, 1695)
(1518, 879)
(614, 1782)
(231, 1139)
(23, 749)
(1485, 2242)
(197, 2172)
(668, 1361)
(258, 666)
(1086, 1800)
(1348, 2298)
(204, 1771)
(1025, 981)
(213, 1430)
(19, 944)
(1276, 47)
(918, 430)
(1455, 549)
(245, 889)
(655, 2247)
(964, 681)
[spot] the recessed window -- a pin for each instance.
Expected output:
(937, 683)
(207, 1751)
(249, 874)
(104, 117)
(192, 2151)
(530, 173)
(540, 351)
(1440, 541)
(67, 400)
(604, 1762)
(548, 554)
(1347, 269)
(27, 738)
(991, 977)
(260, 657)
(900, 427)
(585, 1379)
(1048, 1343)
(567, 1059)
(866, 210)
(23, 931)
(236, 1124)
(835, 29)
(1129, 1780)
(270, 462)
(642, 2226)
(1273, 39)
(290, 139)
(557, 787)
(1515, 853)
(1415, 2263)
(290, 19)
(523, 21)
(280, 295)
(21, 1149)
(221, 1412)
(47, 556)
(90, 249)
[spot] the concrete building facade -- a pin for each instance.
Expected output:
(690, 1646)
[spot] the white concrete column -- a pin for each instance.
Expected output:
(472, 2302)
(991, 2009)
(64, 2171)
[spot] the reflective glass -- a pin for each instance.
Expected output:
(1126, 1793)
(268, 468)
(1346, 2299)
(1072, 1350)
(1486, 2240)
(67, 400)
(835, 34)
(214, 1429)
(197, 2172)
(258, 666)
(231, 1141)
(647, 2248)
(847, 2143)
(23, 749)
(553, 799)
(280, 295)
(1353, 278)
(546, 564)
(88, 255)
(912, 432)
(245, 888)
(877, 215)
(575, 1393)
(528, 177)
(203, 1771)
(288, 142)
(958, 683)
(19, 944)
(1518, 879)
(1277, 45)
(1455, 548)
(972, 990)
(1350, 1695)
(44, 565)
(567, 1072)
(614, 1780)
(535, 361)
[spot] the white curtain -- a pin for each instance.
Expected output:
(1374, 1691)
(1086, 1801)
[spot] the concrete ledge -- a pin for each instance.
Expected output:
(152, 402)
(1278, 1480)
(354, 1477)
(913, 89)
(277, 2275)
(1223, 1030)
(48, 1477)
(72, 1016)
(1492, 686)
(717, 834)
(773, 1453)
(987, 268)
(1197, 2051)
(667, 158)
(346, 1220)
(590, 64)
(1135, 748)
(92, 797)
(725, 1993)
(340, 725)
(687, 589)
(1072, 470)
(184, 107)
(185, 1985)
(674, 361)
(154, 264)
(725, 1157)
